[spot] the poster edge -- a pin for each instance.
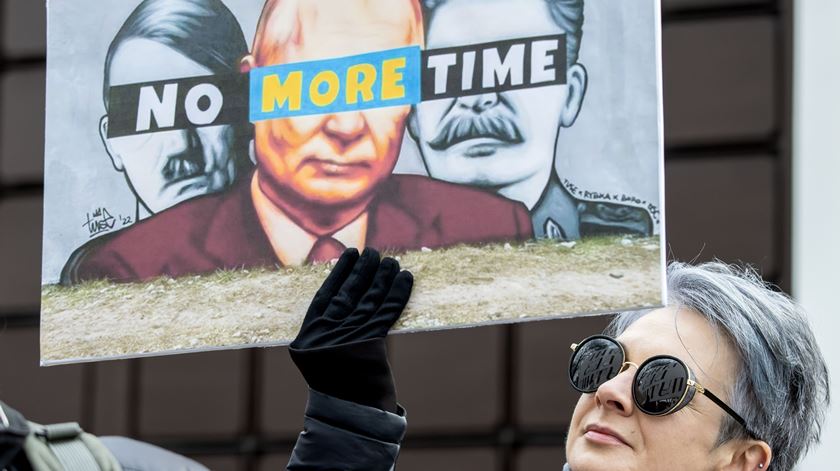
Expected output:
(272, 344)
(511, 321)
(663, 241)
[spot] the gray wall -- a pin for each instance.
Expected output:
(816, 214)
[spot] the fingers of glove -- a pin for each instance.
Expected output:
(375, 295)
(360, 279)
(325, 333)
(392, 307)
(318, 333)
(329, 288)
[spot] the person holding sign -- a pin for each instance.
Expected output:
(323, 181)
(727, 377)
(500, 127)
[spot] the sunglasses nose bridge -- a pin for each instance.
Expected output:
(616, 394)
(626, 366)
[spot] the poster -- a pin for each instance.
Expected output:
(206, 160)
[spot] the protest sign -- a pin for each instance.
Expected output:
(206, 160)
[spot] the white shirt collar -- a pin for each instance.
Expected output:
(292, 243)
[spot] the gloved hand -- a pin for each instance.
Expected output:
(340, 349)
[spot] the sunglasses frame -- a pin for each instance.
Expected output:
(691, 382)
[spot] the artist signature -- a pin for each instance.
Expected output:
(100, 221)
(614, 197)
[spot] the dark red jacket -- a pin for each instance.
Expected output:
(222, 231)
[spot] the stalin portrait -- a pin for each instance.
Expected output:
(506, 141)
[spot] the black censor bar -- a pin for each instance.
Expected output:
(211, 100)
(493, 67)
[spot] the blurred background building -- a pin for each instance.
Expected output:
(489, 398)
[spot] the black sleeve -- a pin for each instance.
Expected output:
(339, 434)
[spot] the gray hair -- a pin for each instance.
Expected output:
(568, 14)
(782, 385)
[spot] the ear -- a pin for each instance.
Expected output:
(749, 455)
(411, 124)
(252, 153)
(576, 81)
(116, 161)
(247, 64)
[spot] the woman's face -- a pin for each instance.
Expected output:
(608, 432)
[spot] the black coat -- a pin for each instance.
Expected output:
(338, 434)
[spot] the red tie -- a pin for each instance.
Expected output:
(326, 248)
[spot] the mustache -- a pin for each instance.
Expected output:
(490, 124)
(188, 163)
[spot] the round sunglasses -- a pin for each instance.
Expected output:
(662, 384)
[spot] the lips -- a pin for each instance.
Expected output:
(602, 434)
(333, 167)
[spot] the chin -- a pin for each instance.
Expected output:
(334, 195)
(600, 460)
(474, 176)
(483, 172)
(184, 190)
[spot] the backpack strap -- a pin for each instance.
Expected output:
(13, 432)
(66, 447)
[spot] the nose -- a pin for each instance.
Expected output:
(345, 129)
(180, 141)
(479, 103)
(616, 394)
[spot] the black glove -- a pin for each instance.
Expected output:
(340, 349)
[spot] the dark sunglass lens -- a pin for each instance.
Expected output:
(595, 362)
(660, 385)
